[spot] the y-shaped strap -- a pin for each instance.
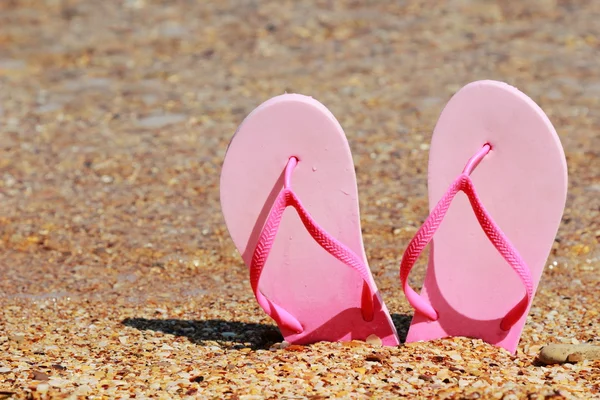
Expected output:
(492, 231)
(285, 199)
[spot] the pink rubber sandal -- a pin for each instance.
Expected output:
(308, 268)
(488, 254)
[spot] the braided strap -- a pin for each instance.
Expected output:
(287, 198)
(494, 234)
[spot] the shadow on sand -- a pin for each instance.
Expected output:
(240, 334)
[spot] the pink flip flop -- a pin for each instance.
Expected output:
(290, 202)
(498, 147)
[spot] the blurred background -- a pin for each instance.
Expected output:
(115, 117)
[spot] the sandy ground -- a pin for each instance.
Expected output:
(118, 277)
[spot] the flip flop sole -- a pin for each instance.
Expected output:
(321, 292)
(522, 182)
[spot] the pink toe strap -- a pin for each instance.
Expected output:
(285, 199)
(499, 240)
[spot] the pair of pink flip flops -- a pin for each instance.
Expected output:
(290, 201)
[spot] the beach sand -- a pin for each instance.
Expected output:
(118, 277)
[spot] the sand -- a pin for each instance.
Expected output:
(118, 277)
